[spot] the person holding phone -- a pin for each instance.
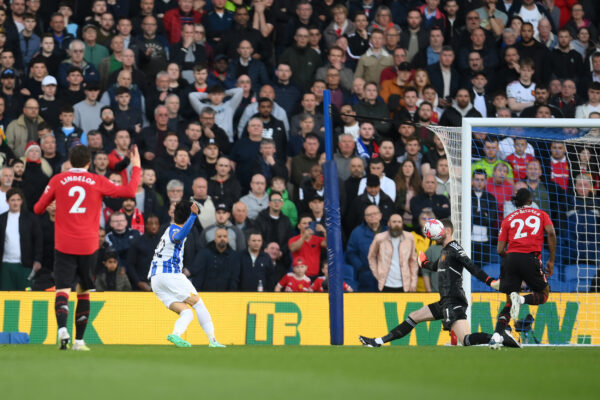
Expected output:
(307, 245)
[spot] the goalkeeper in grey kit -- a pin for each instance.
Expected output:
(451, 308)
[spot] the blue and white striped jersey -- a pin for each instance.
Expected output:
(168, 256)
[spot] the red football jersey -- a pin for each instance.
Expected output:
(78, 195)
(523, 230)
(290, 283)
(317, 285)
(310, 252)
(519, 165)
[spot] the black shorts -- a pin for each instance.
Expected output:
(67, 267)
(448, 313)
(519, 267)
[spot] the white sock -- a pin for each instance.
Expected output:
(379, 340)
(79, 341)
(63, 331)
(522, 299)
(204, 319)
(185, 317)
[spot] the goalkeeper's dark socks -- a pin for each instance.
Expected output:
(400, 331)
(476, 338)
(82, 313)
(61, 309)
(503, 319)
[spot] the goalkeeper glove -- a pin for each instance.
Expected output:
(422, 260)
(493, 283)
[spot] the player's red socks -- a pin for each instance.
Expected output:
(82, 313)
(536, 298)
(61, 309)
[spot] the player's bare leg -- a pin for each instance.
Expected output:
(204, 319)
(420, 315)
(61, 309)
(462, 329)
(185, 317)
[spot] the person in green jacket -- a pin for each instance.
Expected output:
(289, 208)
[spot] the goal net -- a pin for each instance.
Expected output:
(558, 160)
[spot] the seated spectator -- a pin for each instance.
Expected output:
(412, 147)
(510, 206)
(490, 148)
(20, 243)
(216, 268)
(374, 60)
(498, 186)
(257, 199)
(67, 133)
(542, 96)
(393, 258)
(484, 211)
(289, 208)
(567, 101)
(114, 277)
(120, 236)
(140, 253)
(583, 219)
(321, 284)
(461, 108)
(373, 106)
(308, 243)
(357, 250)
(266, 163)
(24, 129)
(520, 92)
(236, 238)
(440, 205)
(377, 168)
(372, 195)
(593, 104)
(256, 268)
(274, 225)
(245, 64)
(295, 281)
(204, 202)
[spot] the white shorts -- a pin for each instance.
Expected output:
(172, 288)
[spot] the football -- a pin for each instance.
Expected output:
(434, 229)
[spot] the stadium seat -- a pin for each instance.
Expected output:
(579, 277)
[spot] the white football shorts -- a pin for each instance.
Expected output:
(172, 288)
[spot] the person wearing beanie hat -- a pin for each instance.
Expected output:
(36, 175)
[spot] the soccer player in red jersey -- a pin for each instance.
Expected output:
(523, 232)
(78, 194)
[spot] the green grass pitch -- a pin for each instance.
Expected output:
(262, 372)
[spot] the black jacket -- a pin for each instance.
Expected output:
(279, 231)
(30, 236)
(439, 204)
(212, 271)
(251, 273)
(437, 79)
(139, 258)
(227, 192)
(356, 212)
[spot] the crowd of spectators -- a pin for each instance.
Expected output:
(224, 99)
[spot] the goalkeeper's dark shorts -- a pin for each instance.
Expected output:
(522, 267)
(449, 312)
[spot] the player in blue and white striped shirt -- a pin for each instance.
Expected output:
(171, 286)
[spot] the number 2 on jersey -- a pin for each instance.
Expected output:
(532, 222)
(80, 192)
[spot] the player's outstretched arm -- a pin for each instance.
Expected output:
(107, 188)
(424, 262)
(45, 200)
(186, 228)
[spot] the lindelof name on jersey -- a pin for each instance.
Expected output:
(77, 178)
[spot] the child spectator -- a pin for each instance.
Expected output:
(321, 284)
(114, 277)
(67, 134)
(295, 281)
(519, 159)
(520, 92)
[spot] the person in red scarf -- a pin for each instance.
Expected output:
(135, 219)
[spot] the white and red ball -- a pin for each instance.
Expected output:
(434, 229)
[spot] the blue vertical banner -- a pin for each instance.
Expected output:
(335, 255)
